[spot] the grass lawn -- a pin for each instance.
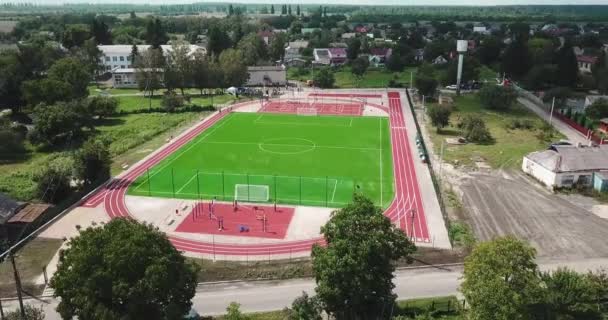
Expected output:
(94, 90)
(444, 308)
(30, 260)
(134, 103)
(510, 144)
(287, 158)
(373, 78)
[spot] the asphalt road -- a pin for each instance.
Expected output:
(212, 299)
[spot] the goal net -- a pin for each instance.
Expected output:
(251, 192)
(307, 111)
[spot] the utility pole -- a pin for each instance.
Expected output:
(18, 285)
(551, 114)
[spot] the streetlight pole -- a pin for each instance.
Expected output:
(551, 114)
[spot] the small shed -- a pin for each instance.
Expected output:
(600, 181)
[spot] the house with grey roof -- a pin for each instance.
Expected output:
(566, 165)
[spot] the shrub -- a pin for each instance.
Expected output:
(171, 101)
(440, 115)
(474, 129)
(497, 97)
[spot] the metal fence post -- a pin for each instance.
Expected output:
(149, 182)
(172, 182)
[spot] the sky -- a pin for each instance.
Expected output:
(353, 2)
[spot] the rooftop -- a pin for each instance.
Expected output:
(572, 158)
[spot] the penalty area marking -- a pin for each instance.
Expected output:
(310, 147)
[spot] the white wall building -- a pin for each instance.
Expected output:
(267, 76)
(119, 56)
(565, 166)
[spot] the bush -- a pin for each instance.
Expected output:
(440, 115)
(497, 97)
(474, 129)
(31, 313)
(568, 113)
(171, 101)
(426, 85)
(324, 78)
(102, 106)
(520, 124)
(53, 180)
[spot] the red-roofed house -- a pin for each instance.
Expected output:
(585, 63)
(362, 29)
(337, 55)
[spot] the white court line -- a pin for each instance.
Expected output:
(335, 187)
(287, 145)
(309, 124)
(351, 122)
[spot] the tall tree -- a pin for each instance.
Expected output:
(497, 97)
(354, 272)
(53, 178)
(123, 270)
(567, 66)
(439, 115)
(218, 41)
(74, 35)
(156, 35)
(101, 32)
(516, 59)
(148, 72)
(200, 71)
(298, 10)
(75, 74)
(253, 49)
(501, 280)
(58, 123)
(354, 46)
(489, 50)
(231, 63)
(425, 84)
(359, 66)
(271, 9)
(277, 47)
(179, 58)
(324, 78)
(92, 161)
(289, 10)
(134, 54)
(569, 295)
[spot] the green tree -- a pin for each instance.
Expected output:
(598, 109)
(53, 179)
(439, 115)
(567, 66)
(48, 91)
(569, 295)
(148, 71)
(233, 312)
(500, 280)
(277, 47)
(298, 10)
(31, 313)
(54, 124)
(305, 307)
(102, 106)
(271, 9)
(359, 66)
(324, 78)
(155, 33)
(75, 35)
(233, 68)
(134, 54)
(470, 71)
(123, 270)
(12, 146)
(426, 85)
(75, 74)
(218, 41)
(180, 59)
(354, 46)
(489, 50)
(497, 97)
(92, 161)
(101, 32)
(171, 101)
(354, 271)
(474, 129)
(516, 60)
(201, 76)
(253, 49)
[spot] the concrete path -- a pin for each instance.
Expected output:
(572, 135)
(212, 299)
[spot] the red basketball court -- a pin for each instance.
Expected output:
(245, 220)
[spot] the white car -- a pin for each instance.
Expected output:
(452, 87)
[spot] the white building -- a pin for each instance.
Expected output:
(481, 30)
(565, 166)
(266, 76)
(119, 56)
(294, 50)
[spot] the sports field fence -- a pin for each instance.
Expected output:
(325, 191)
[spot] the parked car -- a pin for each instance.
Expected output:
(452, 87)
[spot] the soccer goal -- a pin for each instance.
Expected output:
(251, 192)
(306, 111)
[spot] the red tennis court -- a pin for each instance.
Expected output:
(311, 108)
(246, 220)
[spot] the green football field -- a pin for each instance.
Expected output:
(308, 160)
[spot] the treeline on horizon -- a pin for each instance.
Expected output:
(362, 13)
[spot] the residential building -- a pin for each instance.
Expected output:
(589, 100)
(266, 76)
(348, 35)
(124, 78)
(294, 50)
(338, 45)
(565, 165)
(379, 56)
(585, 63)
(481, 30)
(119, 56)
(330, 56)
(419, 55)
(440, 60)
(14, 216)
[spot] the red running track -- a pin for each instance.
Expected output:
(346, 95)
(336, 108)
(407, 198)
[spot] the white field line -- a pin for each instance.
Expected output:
(310, 124)
(333, 195)
(381, 183)
(190, 147)
(287, 145)
(187, 183)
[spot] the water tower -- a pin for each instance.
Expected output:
(461, 48)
